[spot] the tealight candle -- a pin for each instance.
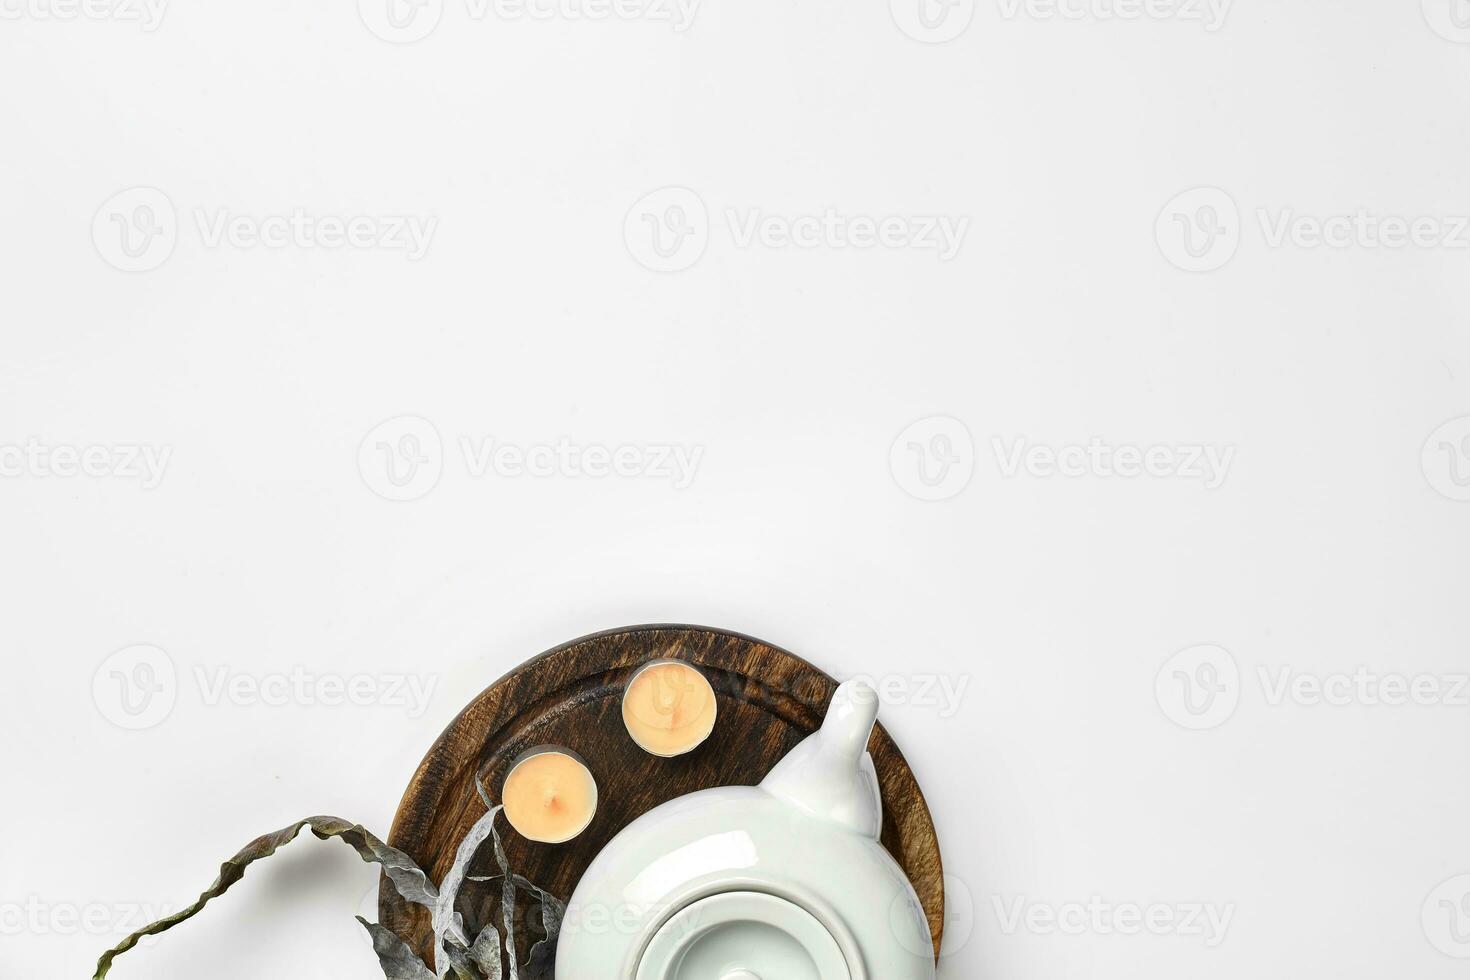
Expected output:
(549, 795)
(669, 708)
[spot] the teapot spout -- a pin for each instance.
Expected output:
(831, 775)
(850, 720)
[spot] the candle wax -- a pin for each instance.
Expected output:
(549, 797)
(669, 708)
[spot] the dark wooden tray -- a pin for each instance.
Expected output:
(769, 700)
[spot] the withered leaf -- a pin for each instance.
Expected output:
(507, 901)
(481, 960)
(409, 881)
(486, 952)
(397, 960)
(447, 925)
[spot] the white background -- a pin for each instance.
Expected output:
(1071, 770)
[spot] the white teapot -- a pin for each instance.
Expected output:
(781, 881)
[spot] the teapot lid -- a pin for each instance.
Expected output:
(743, 936)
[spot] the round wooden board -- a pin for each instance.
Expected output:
(769, 700)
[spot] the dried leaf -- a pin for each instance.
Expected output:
(457, 959)
(481, 960)
(553, 910)
(507, 901)
(397, 960)
(448, 927)
(486, 952)
(410, 882)
(542, 964)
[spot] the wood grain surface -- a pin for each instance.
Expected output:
(769, 700)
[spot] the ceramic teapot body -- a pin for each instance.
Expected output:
(782, 881)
